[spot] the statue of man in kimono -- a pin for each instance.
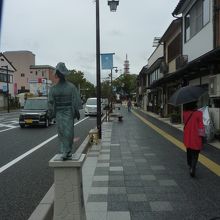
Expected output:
(64, 104)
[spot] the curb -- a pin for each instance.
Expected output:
(44, 210)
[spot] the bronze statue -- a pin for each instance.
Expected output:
(64, 104)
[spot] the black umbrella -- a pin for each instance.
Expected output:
(186, 94)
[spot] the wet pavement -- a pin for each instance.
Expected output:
(136, 173)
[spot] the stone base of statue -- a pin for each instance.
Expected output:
(68, 198)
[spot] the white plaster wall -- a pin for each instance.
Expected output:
(200, 43)
(172, 66)
(158, 52)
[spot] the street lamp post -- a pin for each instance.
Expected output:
(116, 70)
(7, 79)
(98, 89)
(113, 6)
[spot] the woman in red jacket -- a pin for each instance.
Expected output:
(193, 132)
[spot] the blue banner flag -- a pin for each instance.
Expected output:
(107, 61)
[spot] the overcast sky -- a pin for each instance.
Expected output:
(64, 30)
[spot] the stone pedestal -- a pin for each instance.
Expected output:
(68, 198)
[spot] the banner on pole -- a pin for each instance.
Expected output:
(107, 61)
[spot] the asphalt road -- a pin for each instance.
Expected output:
(25, 176)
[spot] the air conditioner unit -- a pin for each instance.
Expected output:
(214, 85)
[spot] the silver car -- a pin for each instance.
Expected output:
(91, 106)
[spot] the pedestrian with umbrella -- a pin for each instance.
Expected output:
(193, 122)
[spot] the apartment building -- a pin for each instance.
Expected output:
(41, 79)
(22, 60)
(7, 86)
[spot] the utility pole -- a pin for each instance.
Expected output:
(98, 84)
(116, 70)
(7, 93)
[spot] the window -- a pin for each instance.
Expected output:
(187, 27)
(174, 48)
(197, 18)
(11, 78)
(154, 76)
(206, 10)
(4, 78)
(1, 77)
(22, 75)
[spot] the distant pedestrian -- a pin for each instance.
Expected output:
(193, 133)
(129, 104)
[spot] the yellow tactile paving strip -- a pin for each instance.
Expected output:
(211, 165)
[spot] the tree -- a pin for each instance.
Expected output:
(77, 78)
(125, 84)
(106, 89)
(87, 89)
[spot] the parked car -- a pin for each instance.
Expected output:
(91, 106)
(35, 112)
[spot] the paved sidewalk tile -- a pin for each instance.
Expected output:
(158, 206)
(98, 190)
(136, 174)
(96, 206)
(96, 215)
(118, 216)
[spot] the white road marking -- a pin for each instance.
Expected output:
(13, 162)
(14, 122)
(9, 128)
(8, 125)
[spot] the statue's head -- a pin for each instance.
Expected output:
(61, 68)
(61, 71)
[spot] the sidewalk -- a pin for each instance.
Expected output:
(5, 112)
(135, 173)
(214, 143)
